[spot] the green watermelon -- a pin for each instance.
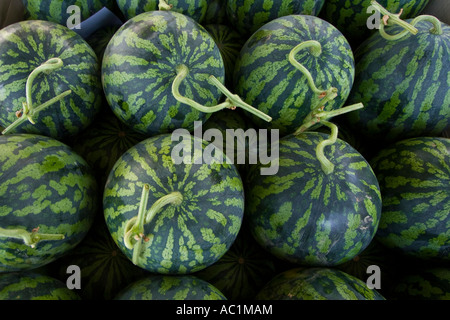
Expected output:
(103, 142)
(403, 83)
(33, 286)
(195, 9)
(138, 71)
(308, 212)
(427, 283)
(247, 16)
(216, 13)
(28, 45)
(164, 287)
(316, 284)
(351, 16)
(195, 207)
(229, 43)
(58, 10)
(48, 200)
(414, 176)
(265, 78)
(243, 270)
(104, 269)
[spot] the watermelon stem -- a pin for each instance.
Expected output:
(393, 19)
(163, 5)
(29, 238)
(28, 111)
(231, 102)
(437, 26)
(134, 229)
(327, 165)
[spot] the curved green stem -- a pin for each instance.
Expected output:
(163, 5)
(231, 102)
(319, 115)
(393, 19)
(437, 25)
(29, 238)
(28, 111)
(134, 229)
(326, 164)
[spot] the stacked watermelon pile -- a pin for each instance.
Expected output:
(115, 182)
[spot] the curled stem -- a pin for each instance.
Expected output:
(134, 229)
(163, 5)
(29, 238)
(28, 110)
(231, 102)
(393, 19)
(327, 165)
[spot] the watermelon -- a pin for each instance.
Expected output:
(428, 283)
(318, 209)
(403, 83)
(103, 142)
(195, 9)
(265, 77)
(48, 200)
(229, 43)
(243, 270)
(247, 16)
(216, 13)
(104, 269)
(59, 11)
(194, 210)
(316, 284)
(33, 286)
(138, 71)
(165, 287)
(414, 176)
(352, 17)
(29, 45)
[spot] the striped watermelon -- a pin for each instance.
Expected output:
(266, 79)
(403, 84)
(195, 9)
(316, 284)
(103, 142)
(229, 42)
(33, 286)
(247, 16)
(243, 270)
(26, 45)
(141, 62)
(58, 10)
(164, 287)
(350, 16)
(414, 176)
(428, 283)
(200, 205)
(308, 216)
(48, 200)
(216, 13)
(104, 269)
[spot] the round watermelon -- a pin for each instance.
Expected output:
(164, 287)
(403, 83)
(316, 284)
(266, 78)
(28, 45)
(195, 207)
(33, 286)
(48, 200)
(247, 16)
(141, 62)
(314, 211)
(195, 9)
(414, 176)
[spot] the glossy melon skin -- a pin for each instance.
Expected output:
(305, 216)
(26, 45)
(184, 237)
(142, 60)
